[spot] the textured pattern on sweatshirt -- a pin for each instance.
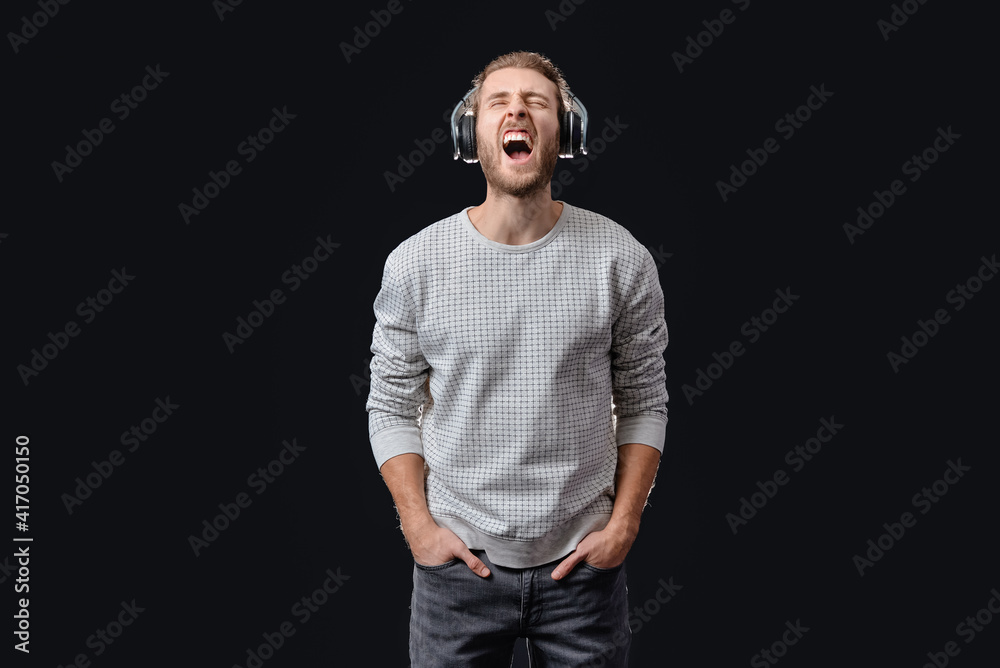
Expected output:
(526, 347)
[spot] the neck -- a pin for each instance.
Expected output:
(516, 221)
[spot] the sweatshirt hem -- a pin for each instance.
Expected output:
(527, 554)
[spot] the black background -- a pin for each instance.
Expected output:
(301, 375)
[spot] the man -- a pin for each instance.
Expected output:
(508, 338)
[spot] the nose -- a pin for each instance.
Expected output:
(517, 108)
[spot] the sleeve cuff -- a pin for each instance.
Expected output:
(393, 441)
(649, 430)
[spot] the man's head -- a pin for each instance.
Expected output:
(519, 100)
(528, 60)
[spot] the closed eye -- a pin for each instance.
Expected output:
(533, 100)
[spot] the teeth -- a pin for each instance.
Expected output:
(517, 136)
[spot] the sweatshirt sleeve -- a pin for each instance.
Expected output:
(639, 337)
(399, 373)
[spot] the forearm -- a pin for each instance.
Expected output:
(404, 476)
(634, 476)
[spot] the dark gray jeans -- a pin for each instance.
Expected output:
(458, 619)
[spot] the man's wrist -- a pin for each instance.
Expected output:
(627, 527)
(413, 524)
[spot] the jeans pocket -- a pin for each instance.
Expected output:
(437, 567)
(595, 569)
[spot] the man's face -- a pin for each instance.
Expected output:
(517, 131)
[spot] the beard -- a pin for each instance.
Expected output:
(519, 181)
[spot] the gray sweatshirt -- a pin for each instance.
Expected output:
(542, 358)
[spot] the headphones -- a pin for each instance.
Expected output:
(572, 130)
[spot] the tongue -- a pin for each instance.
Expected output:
(520, 155)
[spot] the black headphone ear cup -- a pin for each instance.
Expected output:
(467, 137)
(566, 133)
(570, 134)
(577, 138)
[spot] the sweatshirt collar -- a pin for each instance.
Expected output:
(516, 248)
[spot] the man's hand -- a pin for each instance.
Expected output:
(604, 549)
(432, 545)
(634, 476)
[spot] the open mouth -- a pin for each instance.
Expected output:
(517, 144)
